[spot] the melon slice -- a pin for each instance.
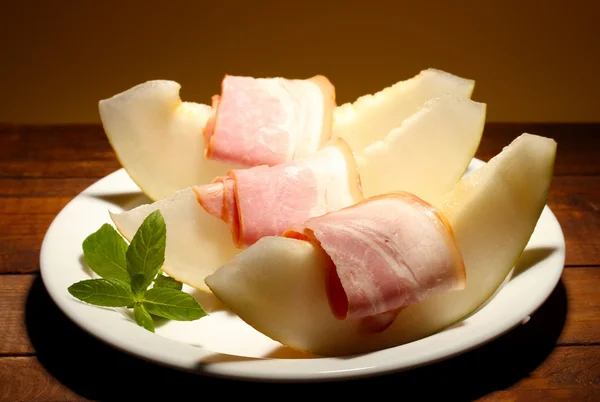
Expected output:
(158, 139)
(278, 285)
(197, 242)
(428, 153)
(371, 117)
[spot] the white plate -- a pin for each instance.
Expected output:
(223, 345)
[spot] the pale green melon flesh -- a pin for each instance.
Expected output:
(371, 117)
(428, 153)
(197, 242)
(158, 139)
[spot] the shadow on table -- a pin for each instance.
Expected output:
(97, 371)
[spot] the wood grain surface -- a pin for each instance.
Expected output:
(46, 357)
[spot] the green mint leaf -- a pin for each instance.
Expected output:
(108, 292)
(146, 252)
(142, 317)
(172, 304)
(138, 285)
(167, 282)
(105, 251)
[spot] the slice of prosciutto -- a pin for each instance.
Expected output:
(267, 200)
(388, 252)
(268, 121)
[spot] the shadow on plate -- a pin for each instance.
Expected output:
(281, 352)
(84, 267)
(124, 201)
(96, 371)
(531, 257)
(209, 302)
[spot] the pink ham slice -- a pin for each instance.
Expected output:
(267, 200)
(388, 252)
(268, 121)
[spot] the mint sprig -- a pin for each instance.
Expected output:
(127, 271)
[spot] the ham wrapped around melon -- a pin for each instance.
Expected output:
(387, 252)
(267, 200)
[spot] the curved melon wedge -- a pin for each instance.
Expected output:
(428, 153)
(278, 287)
(197, 242)
(371, 117)
(158, 139)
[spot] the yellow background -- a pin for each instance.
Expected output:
(532, 60)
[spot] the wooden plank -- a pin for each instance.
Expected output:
(25, 187)
(25, 379)
(570, 316)
(21, 237)
(583, 303)
(575, 200)
(55, 142)
(55, 151)
(13, 297)
(569, 373)
(580, 193)
(27, 208)
(581, 229)
(59, 168)
(32, 205)
(582, 394)
(84, 151)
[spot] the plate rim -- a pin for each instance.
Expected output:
(172, 353)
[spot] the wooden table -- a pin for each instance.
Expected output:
(44, 356)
